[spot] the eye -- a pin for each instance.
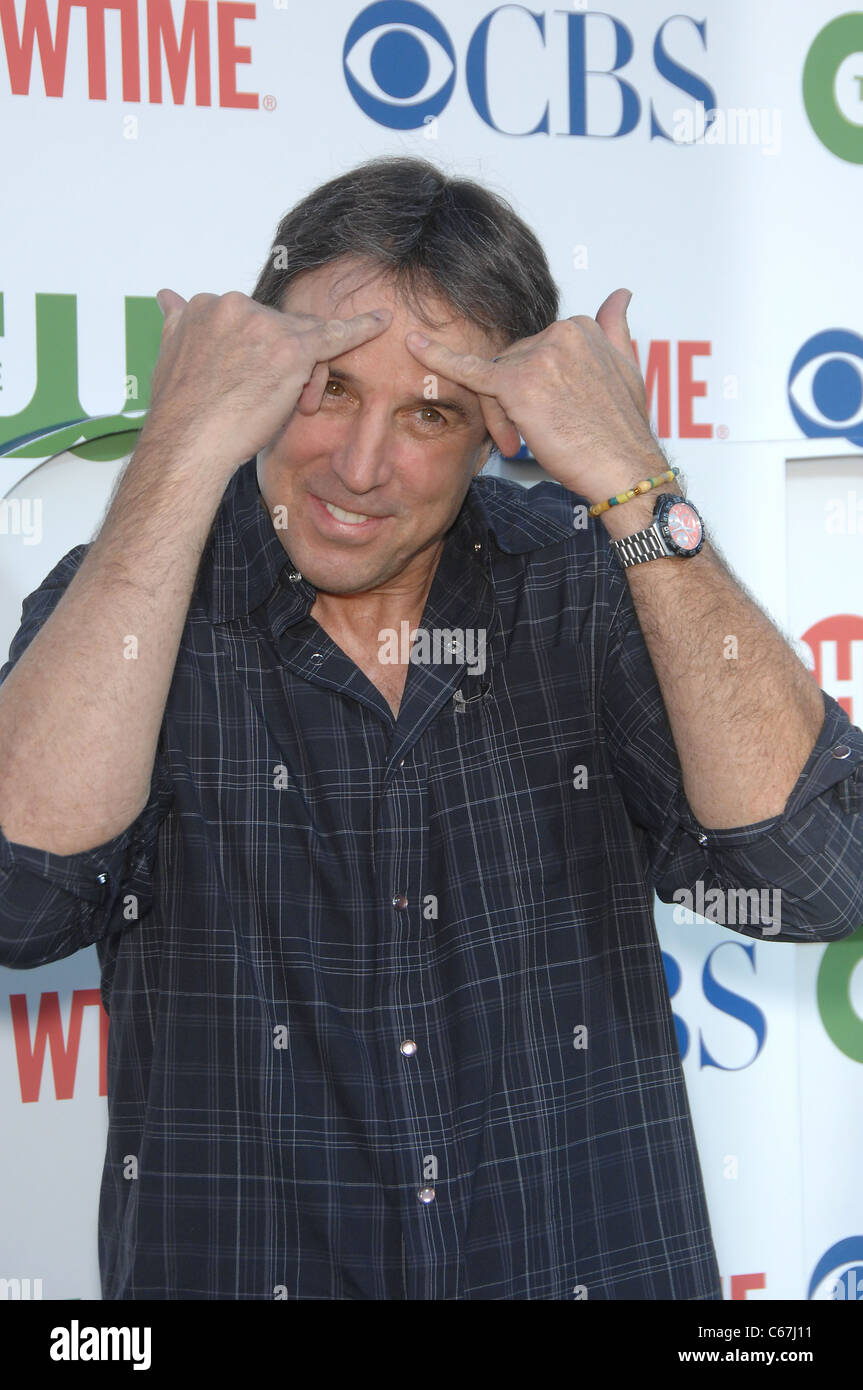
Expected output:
(432, 410)
(335, 390)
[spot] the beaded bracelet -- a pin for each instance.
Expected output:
(599, 507)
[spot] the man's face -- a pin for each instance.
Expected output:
(389, 443)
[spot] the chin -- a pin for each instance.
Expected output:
(335, 579)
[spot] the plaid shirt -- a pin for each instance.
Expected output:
(391, 1020)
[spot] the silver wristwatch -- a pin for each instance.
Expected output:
(677, 530)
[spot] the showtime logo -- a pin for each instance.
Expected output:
(27, 29)
(739, 1285)
(659, 375)
(673, 389)
(836, 647)
(48, 1037)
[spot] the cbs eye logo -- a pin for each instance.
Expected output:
(839, 1274)
(399, 64)
(825, 386)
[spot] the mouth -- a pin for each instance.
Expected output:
(334, 520)
(350, 518)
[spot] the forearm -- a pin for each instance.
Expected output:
(744, 711)
(81, 710)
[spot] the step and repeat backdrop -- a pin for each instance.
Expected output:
(712, 162)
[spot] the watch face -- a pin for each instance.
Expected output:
(684, 526)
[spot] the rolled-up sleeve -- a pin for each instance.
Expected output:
(809, 858)
(52, 905)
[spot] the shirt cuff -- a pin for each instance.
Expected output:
(54, 904)
(91, 875)
(835, 762)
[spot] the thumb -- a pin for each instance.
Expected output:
(170, 303)
(611, 317)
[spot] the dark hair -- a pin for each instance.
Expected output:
(430, 235)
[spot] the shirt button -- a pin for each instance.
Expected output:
(477, 546)
(842, 751)
(408, 1047)
(426, 1194)
(702, 838)
(295, 576)
(102, 878)
(400, 900)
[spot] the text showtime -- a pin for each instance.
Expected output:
(186, 53)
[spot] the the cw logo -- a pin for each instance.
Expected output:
(56, 400)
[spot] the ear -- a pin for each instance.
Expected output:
(260, 465)
(484, 455)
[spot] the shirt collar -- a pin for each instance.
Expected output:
(244, 559)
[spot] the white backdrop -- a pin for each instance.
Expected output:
(741, 245)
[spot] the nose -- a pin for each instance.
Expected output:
(362, 458)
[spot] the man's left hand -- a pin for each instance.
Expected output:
(573, 392)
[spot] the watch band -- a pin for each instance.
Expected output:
(640, 547)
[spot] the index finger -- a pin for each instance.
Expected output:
(332, 337)
(478, 374)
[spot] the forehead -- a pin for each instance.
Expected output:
(348, 287)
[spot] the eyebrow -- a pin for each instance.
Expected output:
(420, 402)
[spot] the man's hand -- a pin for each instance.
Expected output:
(575, 394)
(231, 371)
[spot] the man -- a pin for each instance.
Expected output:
(388, 1015)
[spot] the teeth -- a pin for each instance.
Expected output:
(352, 518)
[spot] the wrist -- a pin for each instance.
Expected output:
(637, 513)
(185, 452)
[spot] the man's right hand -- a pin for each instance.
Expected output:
(231, 371)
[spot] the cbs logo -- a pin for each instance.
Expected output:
(825, 386)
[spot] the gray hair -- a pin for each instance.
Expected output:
(430, 235)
